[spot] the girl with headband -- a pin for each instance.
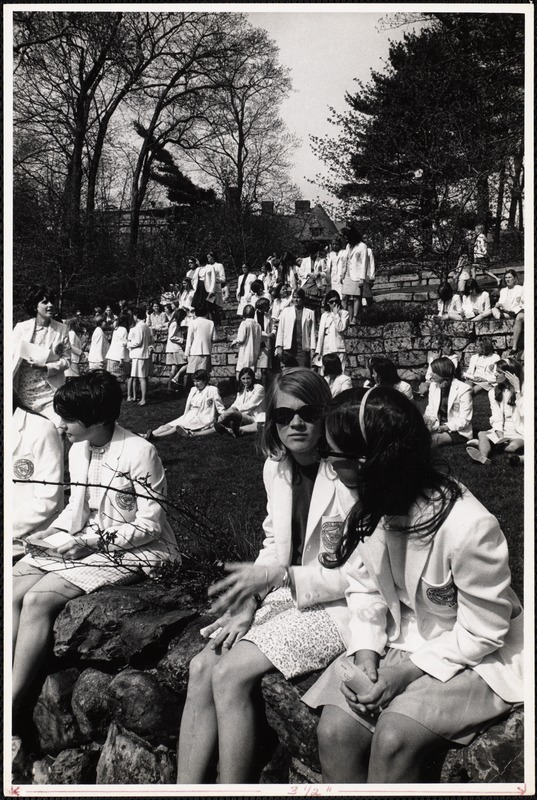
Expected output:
(434, 645)
(286, 611)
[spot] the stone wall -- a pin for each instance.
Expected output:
(406, 343)
(111, 710)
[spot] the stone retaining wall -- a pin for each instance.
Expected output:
(111, 711)
(406, 343)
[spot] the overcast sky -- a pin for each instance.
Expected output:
(325, 52)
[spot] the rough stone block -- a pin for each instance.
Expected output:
(145, 707)
(57, 727)
(232, 357)
(220, 373)
(75, 767)
(370, 346)
(91, 704)
(397, 344)
(219, 359)
(412, 358)
(399, 329)
(90, 627)
(143, 636)
(172, 670)
(493, 326)
(129, 759)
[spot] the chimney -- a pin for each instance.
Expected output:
(267, 206)
(302, 206)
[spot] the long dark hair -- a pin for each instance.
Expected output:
(398, 469)
(515, 367)
(386, 371)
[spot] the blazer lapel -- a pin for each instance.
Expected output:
(283, 511)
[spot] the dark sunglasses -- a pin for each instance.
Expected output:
(283, 415)
(326, 452)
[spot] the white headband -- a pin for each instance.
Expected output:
(362, 413)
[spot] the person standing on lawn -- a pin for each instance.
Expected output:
(248, 339)
(140, 346)
(296, 330)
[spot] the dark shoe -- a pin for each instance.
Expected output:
(221, 429)
(515, 460)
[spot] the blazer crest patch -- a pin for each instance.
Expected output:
(443, 595)
(126, 501)
(23, 469)
(331, 534)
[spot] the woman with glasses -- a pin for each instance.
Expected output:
(435, 634)
(284, 612)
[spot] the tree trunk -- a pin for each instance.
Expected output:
(483, 201)
(499, 206)
(516, 193)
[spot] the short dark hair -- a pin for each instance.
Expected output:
(257, 287)
(512, 272)
(248, 312)
(91, 398)
(140, 313)
(331, 295)
(300, 293)
(332, 364)
(201, 375)
(35, 294)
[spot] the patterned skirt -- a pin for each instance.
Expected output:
(295, 642)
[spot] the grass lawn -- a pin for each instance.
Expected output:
(216, 488)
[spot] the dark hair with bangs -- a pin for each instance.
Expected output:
(386, 370)
(303, 384)
(398, 469)
(36, 293)
(515, 367)
(91, 398)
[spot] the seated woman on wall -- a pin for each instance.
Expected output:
(480, 372)
(113, 530)
(473, 304)
(37, 496)
(284, 612)
(448, 303)
(450, 408)
(247, 411)
(507, 419)
(383, 372)
(434, 621)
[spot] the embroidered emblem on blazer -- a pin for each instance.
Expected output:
(125, 500)
(23, 469)
(331, 534)
(443, 595)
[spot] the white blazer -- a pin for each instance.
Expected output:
(331, 328)
(139, 340)
(330, 503)
(460, 407)
(502, 411)
(251, 402)
(247, 295)
(56, 339)
(131, 505)
(284, 336)
(118, 345)
(199, 339)
(37, 456)
(458, 583)
(340, 384)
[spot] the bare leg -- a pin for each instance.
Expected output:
(518, 332)
(40, 607)
(164, 430)
(173, 372)
(356, 308)
(441, 439)
(24, 577)
(399, 747)
(514, 446)
(344, 746)
(485, 445)
(143, 389)
(131, 389)
(198, 734)
(234, 680)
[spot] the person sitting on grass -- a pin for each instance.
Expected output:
(436, 631)
(203, 405)
(247, 411)
(507, 419)
(442, 345)
(383, 372)
(113, 530)
(449, 411)
(333, 374)
(480, 372)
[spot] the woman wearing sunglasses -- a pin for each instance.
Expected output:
(434, 623)
(284, 612)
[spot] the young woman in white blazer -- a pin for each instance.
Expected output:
(41, 353)
(333, 324)
(114, 526)
(285, 611)
(450, 408)
(434, 625)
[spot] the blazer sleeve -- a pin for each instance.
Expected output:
(218, 404)
(341, 320)
(147, 475)
(62, 350)
(432, 409)
(466, 409)
(280, 331)
(319, 342)
(267, 554)
(482, 579)
(368, 609)
(189, 337)
(316, 584)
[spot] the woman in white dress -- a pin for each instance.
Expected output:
(203, 405)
